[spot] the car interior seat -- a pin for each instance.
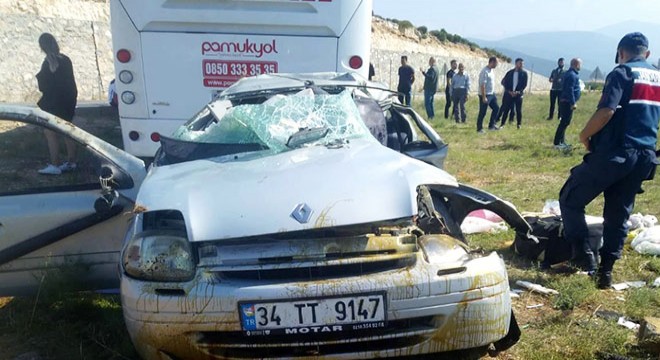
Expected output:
(399, 132)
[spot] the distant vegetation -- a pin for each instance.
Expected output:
(443, 36)
(595, 85)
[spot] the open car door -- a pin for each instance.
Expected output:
(71, 224)
(402, 129)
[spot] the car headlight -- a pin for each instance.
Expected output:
(159, 256)
(442, 249)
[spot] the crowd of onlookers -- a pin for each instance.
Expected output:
(564, 94)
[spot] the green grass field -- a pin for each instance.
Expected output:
(520, 166)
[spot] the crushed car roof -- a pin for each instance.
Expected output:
(291, 80)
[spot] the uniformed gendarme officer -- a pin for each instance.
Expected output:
(621, 139)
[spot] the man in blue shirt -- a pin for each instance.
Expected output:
(621, 138)
(406, 79)
(570, 94)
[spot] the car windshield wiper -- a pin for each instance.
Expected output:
(306, 135)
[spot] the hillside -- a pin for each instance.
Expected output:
(388, 44)
(83, 31)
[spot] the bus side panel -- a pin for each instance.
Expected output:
(126, 36)
(356, 40)
(321, 18)
(184, 71)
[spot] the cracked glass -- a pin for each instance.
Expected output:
(272, 123)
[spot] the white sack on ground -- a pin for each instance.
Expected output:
(639, 221)
(647, 241)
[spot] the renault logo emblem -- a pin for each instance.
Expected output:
(302, 213)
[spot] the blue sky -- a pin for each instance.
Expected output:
(496, 19)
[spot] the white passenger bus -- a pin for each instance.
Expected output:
(172, 57)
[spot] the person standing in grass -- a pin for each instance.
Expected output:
(556, 79)
(621, 138)
(448, 89)
(515, 83)
(460, 87)
(59, 96)
(487, 96)
(570, 94)
(430, 87)
(406, 79)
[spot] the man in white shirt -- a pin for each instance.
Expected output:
(487, 96)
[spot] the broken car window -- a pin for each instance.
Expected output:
(272, 123)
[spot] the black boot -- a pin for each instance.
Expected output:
(604, 275)
(604, 279)
(584, 260)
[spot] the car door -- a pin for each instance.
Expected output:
(64, 225)
(416, 137)
(400, 128)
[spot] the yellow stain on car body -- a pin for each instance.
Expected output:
(138, 209)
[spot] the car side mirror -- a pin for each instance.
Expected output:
(108, 195)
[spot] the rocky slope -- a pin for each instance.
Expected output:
(83, 31)
(388, 44)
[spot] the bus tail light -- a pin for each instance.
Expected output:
(125, 76)
(155, 137)
(355, 62)
(123, 56)
(134, 135)
(128, 97)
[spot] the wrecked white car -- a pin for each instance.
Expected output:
(275, 224)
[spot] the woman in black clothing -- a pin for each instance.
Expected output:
(59, 94)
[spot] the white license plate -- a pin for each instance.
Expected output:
(315, 315)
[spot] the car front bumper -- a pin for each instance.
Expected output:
(427, 312)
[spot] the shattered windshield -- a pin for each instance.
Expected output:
(279, 124)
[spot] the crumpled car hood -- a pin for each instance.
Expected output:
(358, 183)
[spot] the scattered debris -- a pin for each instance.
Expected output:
(535, 306)
(636, 284)
(615, 316)
(536, 287)
(620, 286)
(656, 282)
(649, 334)
(514, 295)
(627, 323)
(608, 315)
(628, 284)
